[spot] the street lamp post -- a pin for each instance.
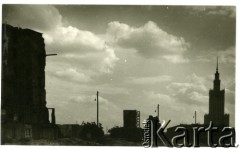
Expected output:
(97, 108)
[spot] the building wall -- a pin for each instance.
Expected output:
(13, 130)
(23, 75)
(217, 105)
(23, 103)
(131, 118)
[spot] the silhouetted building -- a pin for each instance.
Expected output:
(23, 103)
(131, 119)
(131, 130)
(155, 125)
(216, 104)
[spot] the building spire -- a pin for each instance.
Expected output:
(217, 81)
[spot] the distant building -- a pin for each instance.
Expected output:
(216, 104)
(155, 126)
(131, 119)
(131, 130)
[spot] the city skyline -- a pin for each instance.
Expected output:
(135, 56)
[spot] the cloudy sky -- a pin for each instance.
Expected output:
(135, 56)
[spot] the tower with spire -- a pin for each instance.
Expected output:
(216, 104)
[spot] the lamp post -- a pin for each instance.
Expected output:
(97, 108)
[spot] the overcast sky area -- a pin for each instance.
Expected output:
(135, 56)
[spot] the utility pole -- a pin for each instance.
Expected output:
(97, 108)
(53, 116)
(195, 117)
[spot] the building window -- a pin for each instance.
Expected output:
(28, 133)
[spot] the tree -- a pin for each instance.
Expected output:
(90, 131)
(130, 134)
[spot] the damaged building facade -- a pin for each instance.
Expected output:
(23, 102)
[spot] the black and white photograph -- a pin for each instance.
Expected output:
(118, 75)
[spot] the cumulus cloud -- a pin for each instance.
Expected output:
(82, 47)
(224, 56)
(194, 78)
(149, 41)
(198, 97)
(176, 58)
(37, 17)
(194, 82)
(73, 39)
(230, 96)
(72, 74)
(227, 56)
(229, 11)
(191, 92)
(149, 80)
(182, 87)
(84, 99)
(163, 99)
(153, 95)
